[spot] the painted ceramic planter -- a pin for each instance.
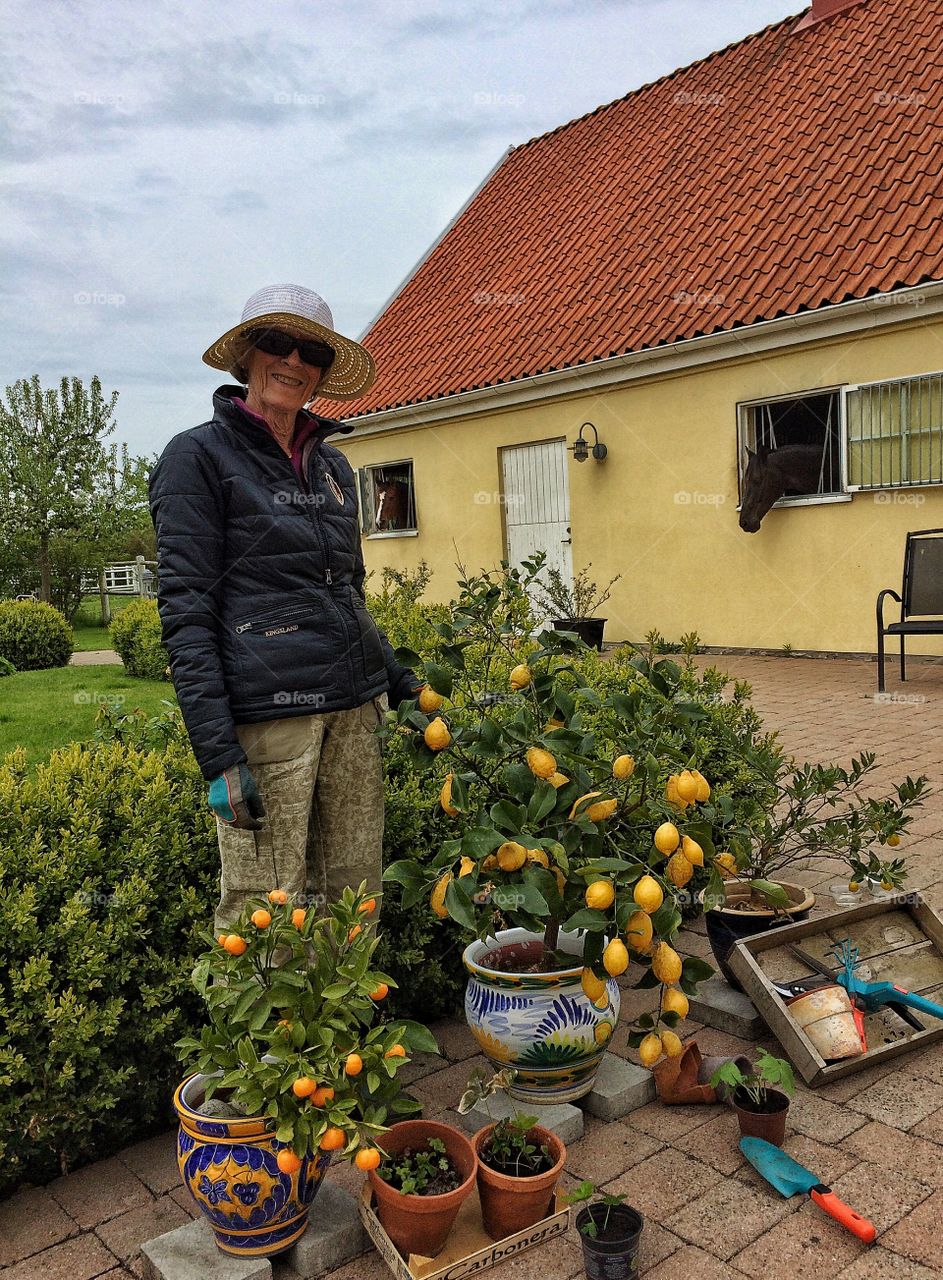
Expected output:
(541, 1024)
(230, 1169)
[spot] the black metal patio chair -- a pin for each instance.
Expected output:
(921, 598)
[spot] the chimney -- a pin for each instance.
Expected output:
(822, 10)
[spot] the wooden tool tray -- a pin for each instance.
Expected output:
(899, 940)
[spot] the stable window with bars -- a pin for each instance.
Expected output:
(387, 499)
(895, 432)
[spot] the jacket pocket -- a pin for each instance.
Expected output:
(371, 648)
(288, 657)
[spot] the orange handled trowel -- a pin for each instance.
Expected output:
(790, 1178)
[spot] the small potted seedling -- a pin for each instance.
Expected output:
(426, 1174)
(610, 1232)
(519, 1165)
(760, 1097)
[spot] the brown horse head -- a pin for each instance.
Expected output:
(772, 473)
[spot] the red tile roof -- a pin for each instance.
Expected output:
(787, 172)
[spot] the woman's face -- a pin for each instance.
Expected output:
(283, 384)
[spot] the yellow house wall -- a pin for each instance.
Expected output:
(661, 510)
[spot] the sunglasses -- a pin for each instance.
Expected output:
(275, 342)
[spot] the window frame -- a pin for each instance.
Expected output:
(887, 382)
(379, 534)
(798, 500)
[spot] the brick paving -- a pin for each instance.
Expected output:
(877, 1136)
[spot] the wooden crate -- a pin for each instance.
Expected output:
(900, 940)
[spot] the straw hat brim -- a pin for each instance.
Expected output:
(350, 374)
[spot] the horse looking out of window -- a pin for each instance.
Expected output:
(392, 505)
(772, 473)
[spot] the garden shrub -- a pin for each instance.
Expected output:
(7, 668)
(34, 636)
(108, 870)
(135, 634)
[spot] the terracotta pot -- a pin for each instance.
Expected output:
(726, 925)
(510, 1204)
(769, 1125)
(421, 1224)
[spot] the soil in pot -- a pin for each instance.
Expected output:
(511, 1202)
(613, 1253)
(745, 914)
(420, 1223)
(527, 957)
(767, 1121)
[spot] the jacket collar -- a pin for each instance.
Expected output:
(311, 423)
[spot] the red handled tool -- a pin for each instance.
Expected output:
(790, 1178)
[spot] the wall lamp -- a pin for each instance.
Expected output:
(580, 445)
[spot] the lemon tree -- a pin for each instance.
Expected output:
(566, 802)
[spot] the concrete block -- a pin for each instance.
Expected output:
(718, 1005)
(334, 1236)
(563, 1119)
(191, 1253)
(620, 1087)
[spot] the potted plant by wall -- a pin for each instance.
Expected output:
(610, 1233)
(760, 1096)
(427, 1173)
(519, 1165)
(558, 867)
(573, 608)
(292, 1068)
(800, 816)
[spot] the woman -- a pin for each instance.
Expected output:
(279, 669)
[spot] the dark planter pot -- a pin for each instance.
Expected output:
(615, 1256)
(421, 1224)
(729, 923)
(510, 1204)
(770, 1125)
(589, 630)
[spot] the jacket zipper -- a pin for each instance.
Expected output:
(279, 617)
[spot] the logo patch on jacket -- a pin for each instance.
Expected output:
(337, 491)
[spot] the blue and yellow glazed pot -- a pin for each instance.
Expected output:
(230, 1168)
(541, 1024)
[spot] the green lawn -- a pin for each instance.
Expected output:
(42, 710)
(89, 633)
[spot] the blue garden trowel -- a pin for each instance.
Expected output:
(790, 1178)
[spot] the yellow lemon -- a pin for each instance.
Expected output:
(893, 841)
(489, 863)
(466, 867)
(603, 1001)
(692, 852)
(853, 886)
(429, 700)
(511, 856)
(675, 1001)
(687, 786)
(648, 894)
(437, 735)
(521, 676)
(703, 787)
(558, 779)
(649, 1051)
(679, 871)
(578, 804)
(726, 864)
(437, 899)
(560, 879)
(538, 856)
(445, 797)
(603, 1032)
(615, 958)
(671, 792)
(540, 762)
(553, 723)
(639, 932)
(593, 987)
(671, 1044)
(601, 810)
(666, 963)
(623, 767)
(600, 894)
(666, 838)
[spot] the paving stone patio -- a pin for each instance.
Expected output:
(877, 1136)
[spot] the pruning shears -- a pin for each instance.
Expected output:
(872, 996)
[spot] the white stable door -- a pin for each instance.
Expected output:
(536, 496)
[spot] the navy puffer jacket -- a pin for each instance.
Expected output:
(260, 582)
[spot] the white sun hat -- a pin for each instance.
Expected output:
(302, 311)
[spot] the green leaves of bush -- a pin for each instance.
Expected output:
(135, 633)
(33, 636)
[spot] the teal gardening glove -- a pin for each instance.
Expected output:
(235, 799)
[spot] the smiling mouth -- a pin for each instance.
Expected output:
(288, 382)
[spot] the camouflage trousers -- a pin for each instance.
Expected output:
(321, 780)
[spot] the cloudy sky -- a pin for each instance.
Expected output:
(163, 161)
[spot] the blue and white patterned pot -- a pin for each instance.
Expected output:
(541, 1024)
(230, 1169)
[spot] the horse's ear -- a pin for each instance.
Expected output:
(750, 453)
